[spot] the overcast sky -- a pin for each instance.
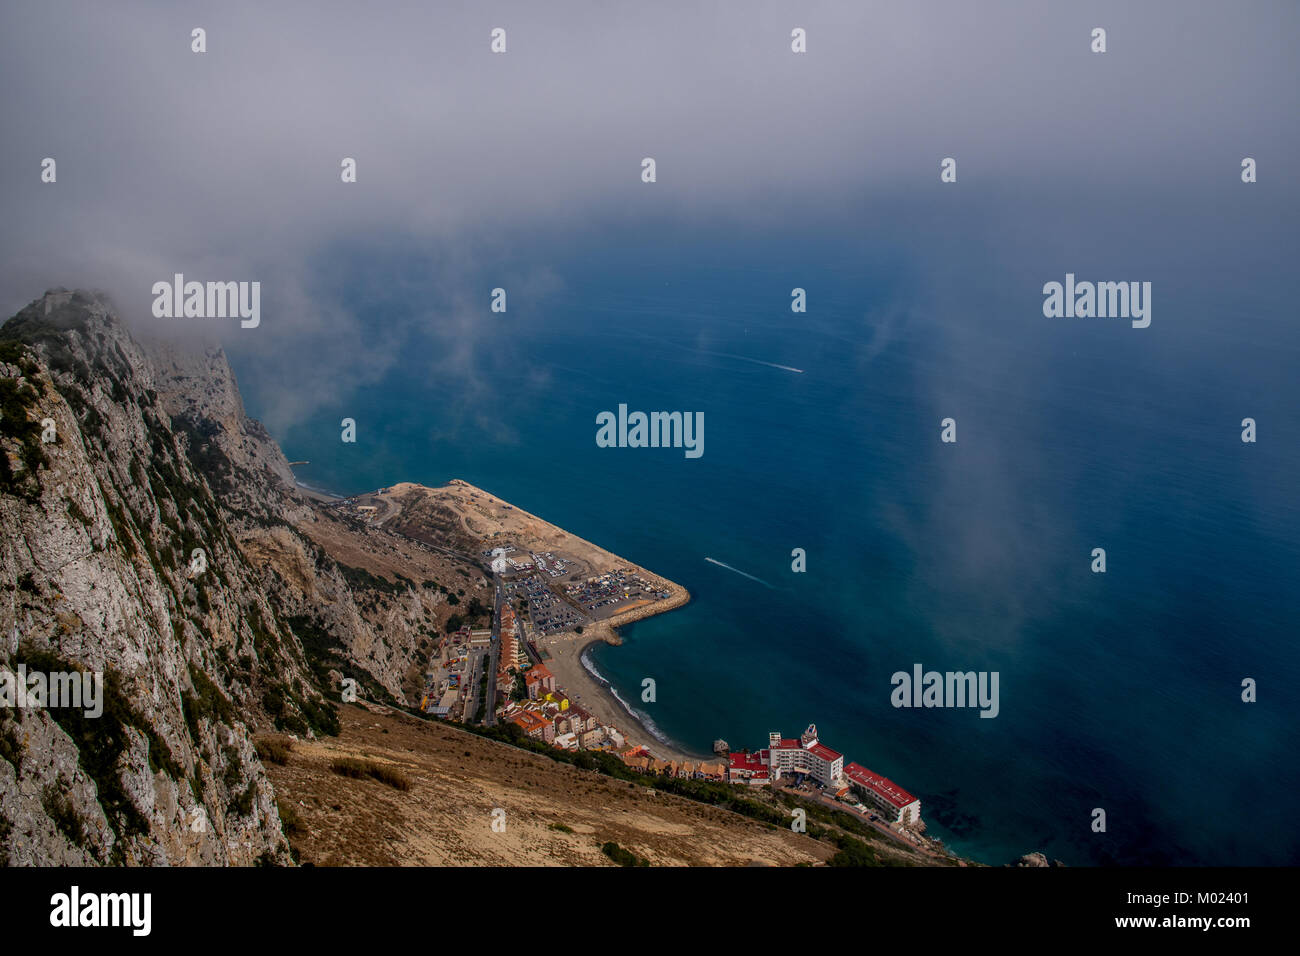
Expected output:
(225, 165)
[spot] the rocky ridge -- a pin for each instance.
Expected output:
(152, 533)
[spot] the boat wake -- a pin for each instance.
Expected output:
(746, 358)
(738, 571)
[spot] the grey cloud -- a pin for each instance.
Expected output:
(226, 165)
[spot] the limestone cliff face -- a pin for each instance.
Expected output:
(197, 385)
(150, 532)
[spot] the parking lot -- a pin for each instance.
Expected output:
(612, 592)
(548, 612)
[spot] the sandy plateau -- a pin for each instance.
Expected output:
(487, 520)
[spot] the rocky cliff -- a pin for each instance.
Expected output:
(151, 533)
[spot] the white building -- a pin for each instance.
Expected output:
(889, 799)
(810, 756)
(805, 755)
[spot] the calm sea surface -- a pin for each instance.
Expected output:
(1118, 691)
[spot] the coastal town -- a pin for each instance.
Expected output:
(552, 595)
(809, 761)
(498, 675)
(527, 696)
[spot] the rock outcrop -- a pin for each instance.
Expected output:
(151, 533)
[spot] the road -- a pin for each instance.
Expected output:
(477, 659)
(881, 827)
(473, 668)
(494, 654)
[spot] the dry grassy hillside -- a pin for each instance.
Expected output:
(554, 814)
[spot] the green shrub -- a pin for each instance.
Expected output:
(234, 768)
(274, 750)
(360, 578)
(290, 822)
(242, 804)
(206, 702)
(621, 856)
(363, 769)
(100, 741)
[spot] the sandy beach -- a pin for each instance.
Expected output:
(486, 517)
(596, 698)
(483, 518)
(321, 496)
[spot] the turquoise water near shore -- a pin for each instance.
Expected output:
(1118, 691)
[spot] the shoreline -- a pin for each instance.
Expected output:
(597, 696)
(656, 741)
(567, 649)
(316, 494)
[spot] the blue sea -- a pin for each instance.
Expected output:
(1120, 691)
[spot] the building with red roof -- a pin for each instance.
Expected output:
(808, 755)
(893, 802)
(538, 679)
(534, 725)
(805, 755)
(747, 768)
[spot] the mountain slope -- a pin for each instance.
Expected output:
(99, 525)
(151, 533)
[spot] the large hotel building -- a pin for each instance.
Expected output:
(810, 756)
